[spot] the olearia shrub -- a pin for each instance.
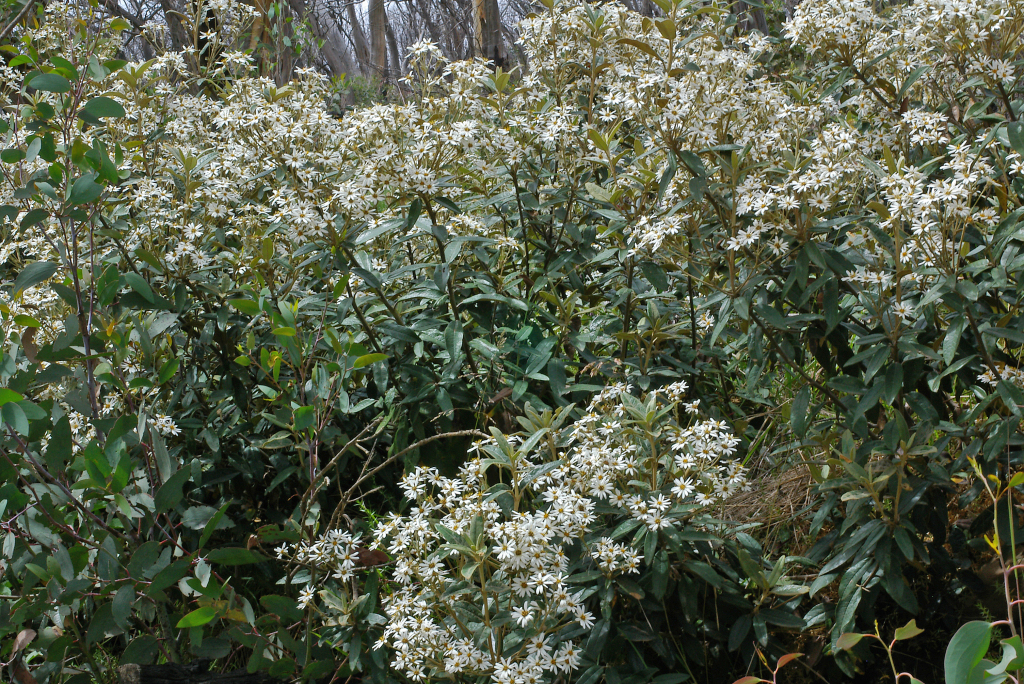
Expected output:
(228, 315)
(512, 568)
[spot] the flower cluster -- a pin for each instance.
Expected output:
(336, 553)
(486, 562)
(1014, 376)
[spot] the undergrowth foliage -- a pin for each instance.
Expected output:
(572, 310)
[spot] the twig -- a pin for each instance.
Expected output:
(792, 364)
(365, 475)
(115, 9)
(29, 4)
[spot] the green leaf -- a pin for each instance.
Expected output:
(1011, 396)
(59, 448)
(102, 625)
(169, 494)
(14, 416)
(782, 618)
(952, 338)
(933, 383)
(908, 631)
(32, 151)
(197, 618)
(598, 638)
(910, 80)
(694, 163)
(9, 395)
(32, 411)
(33, 217)
(143, 650)
(318, 669)
(282, 606)
(106, 168)
(1006, 333)
(660, 571)
(163, 459)
(447, 204)
(752, 569)
(169, 575)
(198, 517)
(96, 463)
(64, 67)
(27, 321)
(104, 106)
(12, 155)
(1015, 134)
(281, 477)
(168, 370)
(85, 190)
(739, 631)
(849, 640)
(655, 275)
(33, 274)
(122, 605)
(304, 417)
(642, 47)
(150, 259)
(1013, 655)
(367, 359)
(246, 306)
(798, 412)
(50, 83)
(893, 382)
(672, 678)
(965, 652)
(453, 336)
(139, 284)
(214, 524)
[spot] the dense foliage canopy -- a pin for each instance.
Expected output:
(500, 381)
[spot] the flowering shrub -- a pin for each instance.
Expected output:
(493, 568)
(229, 317)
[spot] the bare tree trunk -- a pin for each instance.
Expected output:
(396, 67)
(118, 11)
(326, 31)
(487, 21)
(349, 67)
(284, 56)
(139, 26)
(458, 35)
(750, 18)
(358, 39)
(432, 30)
(179, 36)
(378, 41)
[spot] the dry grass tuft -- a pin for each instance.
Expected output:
(775, 501)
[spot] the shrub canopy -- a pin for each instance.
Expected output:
(574, 304)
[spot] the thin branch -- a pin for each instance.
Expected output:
(29, 5)
(365, 475)
(114, 8)
(833, 397)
